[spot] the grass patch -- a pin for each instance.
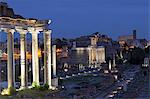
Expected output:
(30, 94)
(9, 91)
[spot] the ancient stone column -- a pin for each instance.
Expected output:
(54, 60)
(114, 61)
(90, 56)
(35, 61)
(121, 56)
(47, 58)
(97, 59)
(24, 69)
(109, 64)
(10, 58)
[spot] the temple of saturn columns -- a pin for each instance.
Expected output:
(33, 26)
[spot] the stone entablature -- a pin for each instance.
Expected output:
(7, 22)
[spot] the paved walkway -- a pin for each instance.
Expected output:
(128, 74)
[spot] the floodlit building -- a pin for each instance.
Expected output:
(91, 56)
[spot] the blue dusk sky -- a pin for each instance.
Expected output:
(73, 18)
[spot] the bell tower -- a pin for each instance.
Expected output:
(134, 34)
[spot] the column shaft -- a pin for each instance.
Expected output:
(35, 62)
(10, 60)
(24, 74)
(54, 60)
(48, 70)
(90, 56)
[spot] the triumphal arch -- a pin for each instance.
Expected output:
(10, 23)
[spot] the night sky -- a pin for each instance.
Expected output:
(73, 18)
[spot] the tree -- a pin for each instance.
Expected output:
(64, 42)
(58, 43)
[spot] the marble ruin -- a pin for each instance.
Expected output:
(10, 23)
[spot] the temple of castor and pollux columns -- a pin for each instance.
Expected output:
(10, 23)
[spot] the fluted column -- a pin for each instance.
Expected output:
(24, 68)
(35, 61)
(10, 58)
(54, 60)
(47, 58)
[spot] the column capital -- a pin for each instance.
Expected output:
(48, 31)
(35, 30)
(8, 30)
(21, 30)
(11, 30)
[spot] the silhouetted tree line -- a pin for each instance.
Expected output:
(135, 55)
(61, 42)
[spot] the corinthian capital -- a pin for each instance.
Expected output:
(48, 31)
(21, 30)
(11, 30)
(8, 30)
